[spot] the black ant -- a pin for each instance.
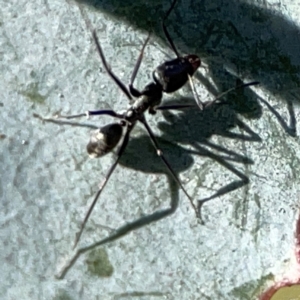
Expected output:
(106, 138)
(168, 77)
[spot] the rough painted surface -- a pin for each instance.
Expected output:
(50, 65)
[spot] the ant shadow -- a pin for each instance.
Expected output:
(191, 128)
(233, 38)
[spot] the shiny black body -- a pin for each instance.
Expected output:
(173, 74)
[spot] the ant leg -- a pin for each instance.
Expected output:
(134, 92)
(161, 155)
(174, 107)
(166, 31)
(60, 122)
(121, 231)
(206, 104)
(108, 70)
(103, 184)
(198, 101)
(209, 103)
(108, 112)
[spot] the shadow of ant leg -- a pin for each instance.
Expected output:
(218, 29)
(167, 164)
(251, 137)
(232, 156)
(244, 180)
(289, 129)
(127, 228)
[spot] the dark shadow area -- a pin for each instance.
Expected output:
(234, 38)
(194, 129)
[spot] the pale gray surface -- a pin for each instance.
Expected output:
(49, 64)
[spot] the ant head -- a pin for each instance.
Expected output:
(194, 60)
(104, 139)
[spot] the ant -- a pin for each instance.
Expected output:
(149, 99)
(168, 77)
(106, 138)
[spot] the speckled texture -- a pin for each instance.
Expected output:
(49, 64)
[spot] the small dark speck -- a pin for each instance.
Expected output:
(1, 104)
(24, 142)
(2, 136)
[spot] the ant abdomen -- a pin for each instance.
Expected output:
(104, 139)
